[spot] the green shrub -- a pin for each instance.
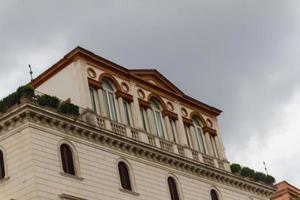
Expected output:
(9, 101)
(69, 108)
(260, 177)
(270, 179)
(247, 172)
(235, 168)
(26, 91)
(47, 100)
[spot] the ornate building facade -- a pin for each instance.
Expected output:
(137, 137)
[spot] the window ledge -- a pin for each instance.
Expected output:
(4, 179)
(129, 192)
(71, 176)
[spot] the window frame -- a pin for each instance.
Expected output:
(178, 186)
(110, 100)
(144, 117)
(218, 192)
(75, 160)
(133, 185)
(174, 131)
(94, 99)
(200, 137)
(159, 123)
(128, 112)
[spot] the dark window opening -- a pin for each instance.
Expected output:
(67, 159)
(214, 195)
(124, 176)
(173, 189)
(2, 167)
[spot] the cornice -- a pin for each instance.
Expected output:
(29, 113)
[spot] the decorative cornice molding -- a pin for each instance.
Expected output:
(29, 113)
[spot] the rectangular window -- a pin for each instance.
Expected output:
(173, 129)
(143, 112)
(187, 133)
(158, 123)
(94, 98)
(127, 110)
(214, 146)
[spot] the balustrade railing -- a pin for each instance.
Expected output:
(135, 134)
(100, 121)
(151, 139)
(166, 145)
(118, 128)
(208, 160)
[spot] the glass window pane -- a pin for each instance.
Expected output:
(159, 124)
(187, 133)
(173, 129)
(124, 176)
(105, 97)
(127, 112)
(173, 189)
(93, 98)
(200, 140)
(113, 114)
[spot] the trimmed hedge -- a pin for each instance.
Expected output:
(250, 173)
(69, 108)
(14, 98)
(235, 168)
(47, 100)
(247, 172)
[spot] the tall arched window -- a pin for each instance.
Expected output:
(158, 119)
(67, 159)
(2, 166)
(124, 176)
(199, 134)
(109, 99)
(173, 188)
(214, 195)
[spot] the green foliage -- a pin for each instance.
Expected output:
(247, 172)
(9, 101)
(270, 180)
(258, 176)
(26, 91)
(47, 100)
(235, 168)
(14, 98)
(69, 108)
(250, 173)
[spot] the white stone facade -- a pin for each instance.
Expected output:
(30, 139)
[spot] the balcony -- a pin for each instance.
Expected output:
(150, 139)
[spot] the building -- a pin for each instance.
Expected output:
(286, 191)
(137, 137)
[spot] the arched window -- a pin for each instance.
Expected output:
(158, 119)
(173, 188)
(199, 134)
(124, 176)
(2, 166)
(109, 99)
(214, 195)
(67, 159)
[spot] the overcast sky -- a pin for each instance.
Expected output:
(242, 56)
